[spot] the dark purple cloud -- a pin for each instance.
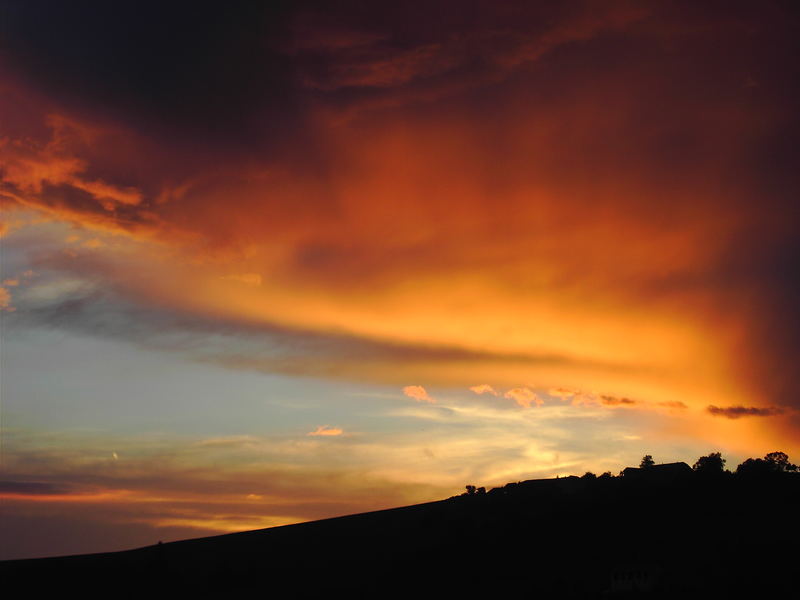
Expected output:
(736, 412)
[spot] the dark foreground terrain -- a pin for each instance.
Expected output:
(685, 536)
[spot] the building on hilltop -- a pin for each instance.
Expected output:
(665, 472)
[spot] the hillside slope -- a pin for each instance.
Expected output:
(559, 538)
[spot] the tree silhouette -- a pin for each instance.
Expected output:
(647, 462)
(713, 464)
(774, 462)
(754, 467)
(779, 461)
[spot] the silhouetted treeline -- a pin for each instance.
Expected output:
(658, 530)
(708, 466)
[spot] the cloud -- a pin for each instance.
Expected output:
(5, 300)
(326, 430)
(385, 67)
(84, 296)
(563, 393)
(418, 393)
(524, 397)
(34, 488)
(254, 279)
(205, 487)
(673, 404)
(614, 401)
(225, 174)
(31, 169)
(93, 244)
(735, 412)
(433, 65)
(483, 389)
(33, 172)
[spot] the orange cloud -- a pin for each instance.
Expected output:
(484, 389)
(5, 300)
(418, 393)
(563, 393)
(368, 199)
(30, 168)
(246, 278)
(524, 397)
(326, 430)
(673, 404)
(93, 244)
(55, 174)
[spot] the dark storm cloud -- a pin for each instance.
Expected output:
(681, 116)
(197, 69)
(614, 401)
(736, 412)
(766, 282)
(243, 73)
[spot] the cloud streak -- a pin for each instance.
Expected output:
(326, 430)
(737, 412)
(484, 389)
(614, 401)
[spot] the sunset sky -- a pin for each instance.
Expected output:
(272, 262)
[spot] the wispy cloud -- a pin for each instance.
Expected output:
(562, 393)
(255, 481)
(484, 388)
(326, 430)
(673, 404)
(5, 300)
(736, 412)
(524, 397)
(615, 401)
(418, 393)
(253, 279)
(32, 488)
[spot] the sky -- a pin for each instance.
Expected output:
(264, 263)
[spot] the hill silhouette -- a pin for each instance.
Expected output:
(658, 531)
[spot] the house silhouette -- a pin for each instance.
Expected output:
(665, 472)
